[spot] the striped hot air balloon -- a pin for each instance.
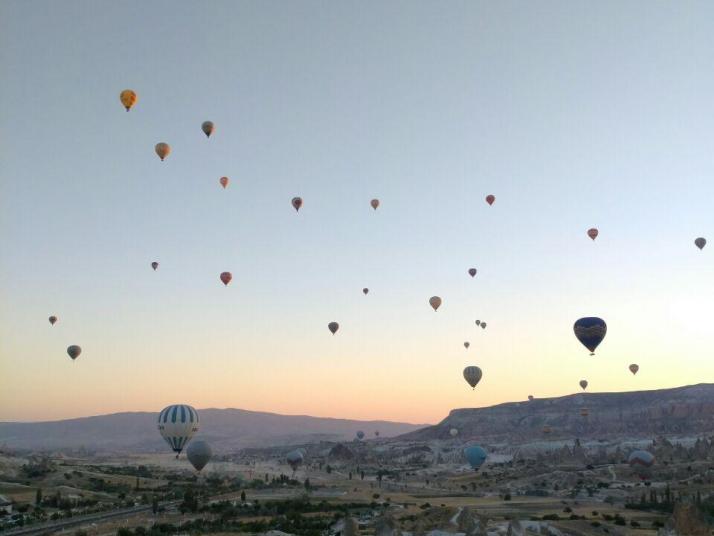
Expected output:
(177, 424)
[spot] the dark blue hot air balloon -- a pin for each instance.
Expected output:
(590, 331)
(475, 455)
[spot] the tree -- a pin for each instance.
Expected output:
(38, 497)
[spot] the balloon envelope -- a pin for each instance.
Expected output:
(490, 199)
(634, 368)
(472, 375)
(333, 327)
(700, 242)
(374, 203)
(483, 325)
(590, 331)
(472, 272)
(584, 384)
(226, 278)
(199, 453)
(592, 233)
(297, 203)
(365, 291)
(223, 181)
(52, 320)
(128, 98)
(295, 458)
(435, 302)
(177, 424)
(163, 150)
(207, 128)
(360, 434)
(641, 462)
(478, 322)
(467, 344)
(155, 265)
(74, 351)
(475, 455)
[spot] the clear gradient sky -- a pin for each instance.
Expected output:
(574, 114)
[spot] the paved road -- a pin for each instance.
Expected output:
(54, 526)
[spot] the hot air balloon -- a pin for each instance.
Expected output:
(376, 433)
(590, 331)
(155, 265)
(435, 302)
(295, 459)
(584, 412)
(483, 325)
(365, 291)
(700, 242)
(74, 351)
(53, 320)
(472, 375)
(478, 322)
(128, 98)
(467, 344)
(472, 272)
(163, 150)
(177, 424)
(226, 277)
(641, 462)
(374, 203)
(199, 453)
(223, 181)
(453, 432)
(360, 435)
(207, 127)
(297, 203)
(584, 384)
(531, 398)
(592, 233)
(634, 368)
(475, 455)
(333, 327)
(490, 199)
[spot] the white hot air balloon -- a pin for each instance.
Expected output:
(177, 424)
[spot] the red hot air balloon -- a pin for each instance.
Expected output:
(53, 320)
(226, 278)
(297, 203)
(223, 181)
(490, 199)
(374, 203)
(592, 233)
(333, 327)
(472, 272)
(154, 265)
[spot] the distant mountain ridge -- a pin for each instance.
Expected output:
(687, 410)
(226, 429)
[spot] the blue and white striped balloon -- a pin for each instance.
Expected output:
(177, 424)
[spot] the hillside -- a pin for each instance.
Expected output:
(680, 411)
(226, 429)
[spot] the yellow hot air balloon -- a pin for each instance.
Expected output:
(128, 98)
(163, 150)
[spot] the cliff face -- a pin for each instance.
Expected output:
(683, 410)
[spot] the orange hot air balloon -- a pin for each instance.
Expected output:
(297, 203)
(163, 150)
(207, 128)
(154, 265)
(490, 199)
(634, 368)
(592, 233)
(435, 302)
(226, 277)
(128, 98)
(365, 291)
(223, 181)
(53, 320)
(333, 327)
(472, 272)
(374, 203)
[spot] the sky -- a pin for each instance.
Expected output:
(573, 114)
